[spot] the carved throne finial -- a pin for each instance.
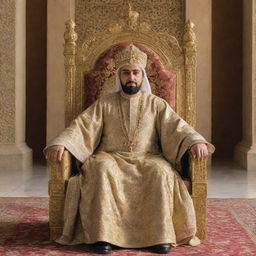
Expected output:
(129, 20)
(189, 37)
(132, 17)
(70, 35)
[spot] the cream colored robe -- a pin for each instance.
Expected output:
(128, 193)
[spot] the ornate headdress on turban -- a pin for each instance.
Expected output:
(131, 55)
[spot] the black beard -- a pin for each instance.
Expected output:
(131, 89)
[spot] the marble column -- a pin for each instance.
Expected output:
(245, 151)
(14, 153)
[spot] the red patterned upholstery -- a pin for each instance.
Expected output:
(162, 81)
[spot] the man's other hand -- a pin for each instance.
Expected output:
(54, 153)
(199, 150)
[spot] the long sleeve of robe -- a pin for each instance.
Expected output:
(129, 193)
(83, 135)
(176, 136)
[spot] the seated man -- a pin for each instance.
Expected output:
(127, 192)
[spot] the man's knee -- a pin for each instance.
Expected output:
(160, 171)
(103, 165)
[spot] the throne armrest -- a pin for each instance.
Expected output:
(60, 172)
(198, 175)
(198, 169)
(59, 175)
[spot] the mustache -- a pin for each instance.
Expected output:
(131, 82)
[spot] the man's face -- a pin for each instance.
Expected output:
(131, 77)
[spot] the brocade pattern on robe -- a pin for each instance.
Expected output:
(128, 192)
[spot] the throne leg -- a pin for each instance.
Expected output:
(198, 174)
(199, 200)
(56, 208)
(59, 175)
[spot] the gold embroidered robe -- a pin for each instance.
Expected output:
(128, 192)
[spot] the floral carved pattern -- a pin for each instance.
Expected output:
(159, 25)
(7, 71)
(163, 15)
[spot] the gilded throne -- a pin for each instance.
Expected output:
(89, 71)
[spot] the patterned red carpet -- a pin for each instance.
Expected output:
(24, 230)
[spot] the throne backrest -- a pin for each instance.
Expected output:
(90, 68)
(101, 79)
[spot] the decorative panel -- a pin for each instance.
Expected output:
(94, 16)
(7, 71)
(101, 24)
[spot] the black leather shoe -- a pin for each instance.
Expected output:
(161, 248)
(103, 248)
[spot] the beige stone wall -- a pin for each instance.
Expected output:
(14, 153)
(245, 151)
(59, 11)
(199, 12)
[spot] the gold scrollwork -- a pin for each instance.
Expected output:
(142, 22)
(163, 15)
(70, 37)
(189, 46)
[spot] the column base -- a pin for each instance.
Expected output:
(245, 156)
(15, 157)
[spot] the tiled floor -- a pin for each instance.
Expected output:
(226, 180)
(31, 182)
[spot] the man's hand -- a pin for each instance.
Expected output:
(199, 150)
(54, 153)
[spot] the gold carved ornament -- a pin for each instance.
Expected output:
(70, 37)
(189, 47)
(131, 55)
(132, 28)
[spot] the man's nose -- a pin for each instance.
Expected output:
(131, 76)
